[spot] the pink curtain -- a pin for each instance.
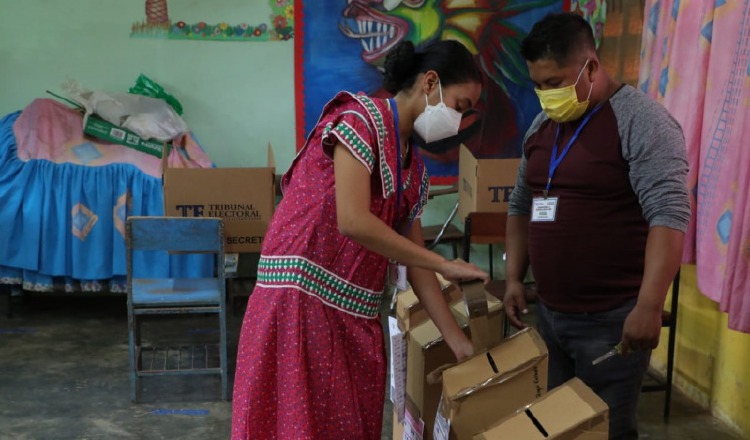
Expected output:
(695, 59)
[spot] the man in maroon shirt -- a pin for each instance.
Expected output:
(599, 211)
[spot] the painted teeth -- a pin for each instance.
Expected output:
(375, 35)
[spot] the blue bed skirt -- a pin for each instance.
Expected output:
(62, 224)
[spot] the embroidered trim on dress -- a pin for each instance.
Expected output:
(389, 187)
(302, 274)
(353, 141)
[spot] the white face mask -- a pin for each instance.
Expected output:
(437, 121)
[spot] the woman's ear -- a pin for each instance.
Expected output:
(430, 81)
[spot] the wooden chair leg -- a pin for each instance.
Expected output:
(492, 277)
(467, 239)
(671, 345)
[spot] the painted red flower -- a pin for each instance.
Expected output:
(279, 22)
(181, 24)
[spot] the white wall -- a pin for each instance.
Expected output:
(237, 96)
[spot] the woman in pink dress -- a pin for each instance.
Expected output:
(311, 361)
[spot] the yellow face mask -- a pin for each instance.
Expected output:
(561, 105)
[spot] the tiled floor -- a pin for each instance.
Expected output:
(63, 375)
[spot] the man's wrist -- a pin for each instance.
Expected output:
(649, 304)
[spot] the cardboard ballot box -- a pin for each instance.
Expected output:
(427, 351)
(243, 197)
(571, 411)
(411, 312)
(495, 319)
(492, 384)
(484, 185)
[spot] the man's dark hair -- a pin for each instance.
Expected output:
(558, 37)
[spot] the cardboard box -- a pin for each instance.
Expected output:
(97, 127)
(480, 391)
(495, 318)
(411, 313)
(571, 411)
(397, 367)
(398, 427)
(427, 351)
(409, 429)
(243, 197)
(484, 185)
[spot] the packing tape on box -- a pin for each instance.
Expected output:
(475, 300)
(477, 311)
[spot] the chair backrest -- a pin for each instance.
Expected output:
(176, 234)
(483, 228)
(486, 227)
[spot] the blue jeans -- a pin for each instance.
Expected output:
(574, 340)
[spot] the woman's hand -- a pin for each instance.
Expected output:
(458, 270)
(461, 346)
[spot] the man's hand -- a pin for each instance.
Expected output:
(514, 303)
(642, 329)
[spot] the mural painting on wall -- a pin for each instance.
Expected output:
(343, 45)
(595, 12)
(159, 24)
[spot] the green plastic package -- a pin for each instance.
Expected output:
(147, 87)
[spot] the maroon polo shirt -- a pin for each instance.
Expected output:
(591, 258)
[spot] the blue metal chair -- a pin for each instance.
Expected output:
(172, 296)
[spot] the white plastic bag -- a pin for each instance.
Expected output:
(149, 118)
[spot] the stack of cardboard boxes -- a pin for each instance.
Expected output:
(487, 395)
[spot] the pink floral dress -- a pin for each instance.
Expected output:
(311, 362)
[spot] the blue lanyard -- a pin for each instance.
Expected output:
(554, 160)
(398, 154)
(420, 170)
(399, 183)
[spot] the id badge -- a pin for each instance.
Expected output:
(397, 275)
(544, 209)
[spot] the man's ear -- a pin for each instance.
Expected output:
(592, 68)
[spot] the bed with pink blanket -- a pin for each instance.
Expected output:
(64, 198)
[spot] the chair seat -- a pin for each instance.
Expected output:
(487, 239)
(176, 292)
(452, 233)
